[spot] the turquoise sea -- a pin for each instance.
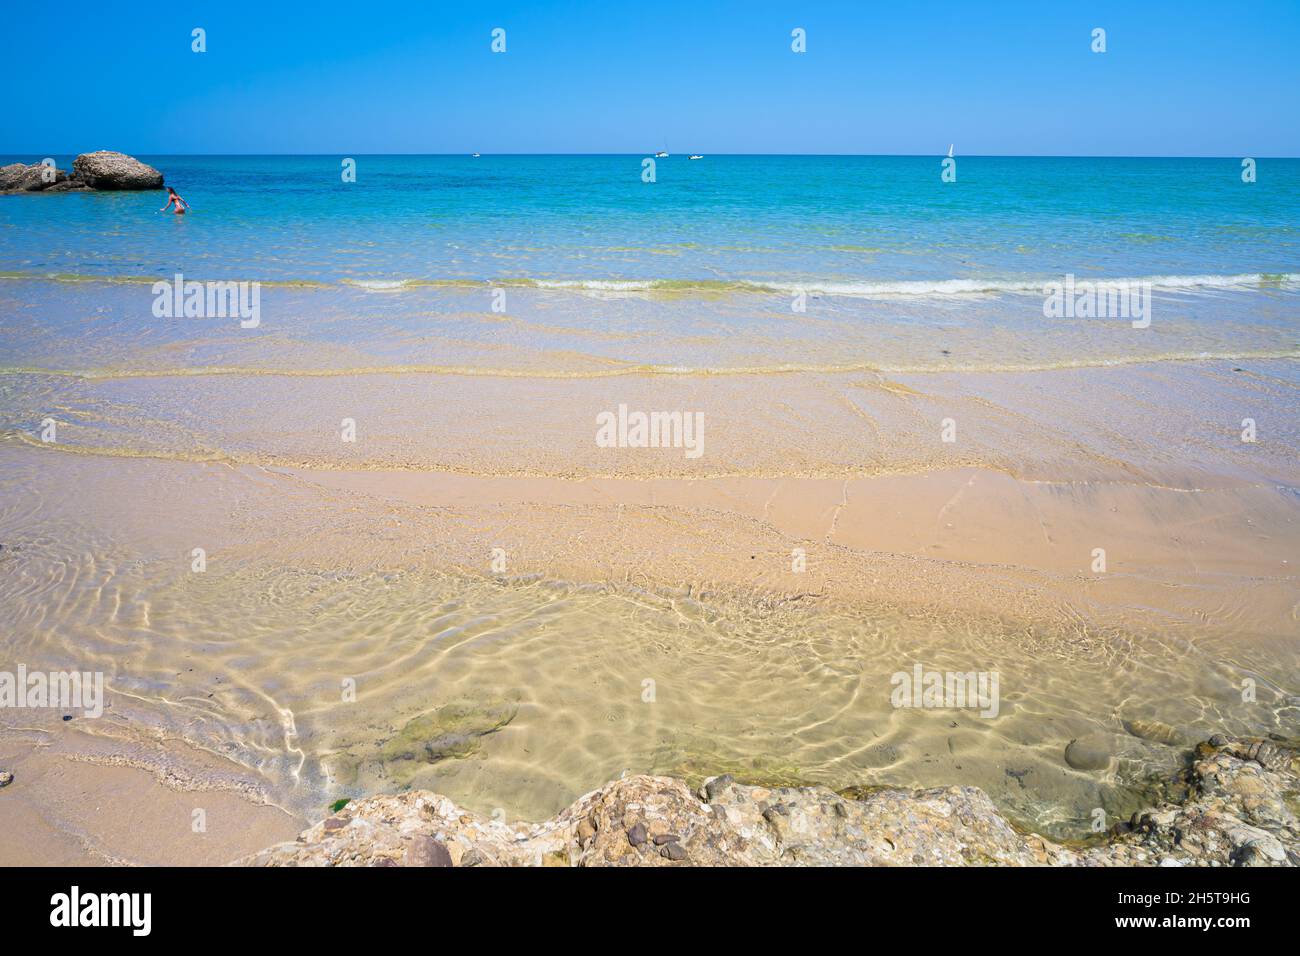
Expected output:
(844, 223)
(697, 271)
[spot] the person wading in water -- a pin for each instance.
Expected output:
(174, 197)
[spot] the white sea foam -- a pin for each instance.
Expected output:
(902, 287)
(852, 288)
(954, 287)
(379, 285)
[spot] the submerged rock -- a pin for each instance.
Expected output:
(1087, 755)
(1155, 731)
(1235, 814)
(453, 730)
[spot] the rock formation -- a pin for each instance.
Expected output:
(22, 178)
(103, 170)
(1237, 812)
(109, 170)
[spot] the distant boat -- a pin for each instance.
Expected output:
(950, 150)
(695, 156)
(662, 154)
(474, 155)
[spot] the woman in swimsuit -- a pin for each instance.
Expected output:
(174, 197)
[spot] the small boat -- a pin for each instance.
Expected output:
(474, 155)
(950, 150)
(695, 156)
(662, 154)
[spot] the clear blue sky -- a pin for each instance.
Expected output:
(1179, 78)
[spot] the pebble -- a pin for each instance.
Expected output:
(663, 838)
(636, 834)
(1087, 755)
(1155, 731)
(673, 851)
(718, 785)
(6, 778)
(426, 851)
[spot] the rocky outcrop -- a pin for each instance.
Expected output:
(1237, 811)
(36, 177)
(108, 170)
(1241, 810)
(101, 170)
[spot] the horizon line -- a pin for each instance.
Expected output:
(651, 154)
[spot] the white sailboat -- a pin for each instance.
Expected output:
(695, 156)
(950, 150)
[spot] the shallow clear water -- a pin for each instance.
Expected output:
(343, 645)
